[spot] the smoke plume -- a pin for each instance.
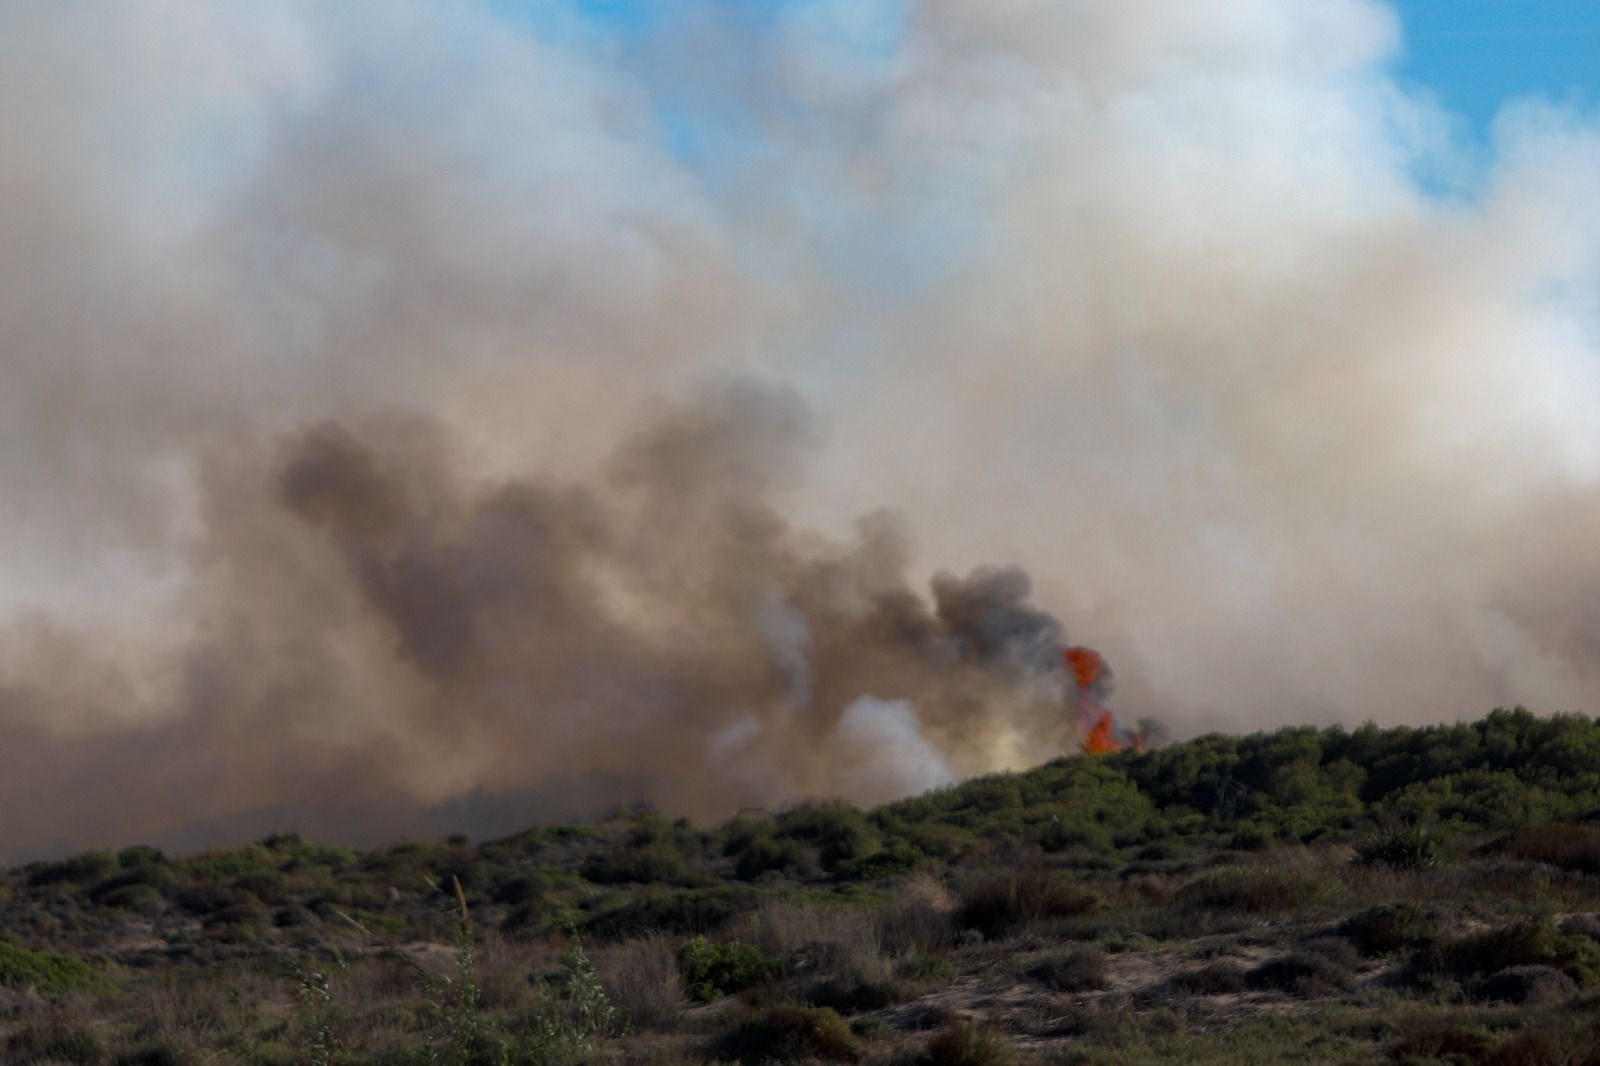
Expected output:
(422, 416)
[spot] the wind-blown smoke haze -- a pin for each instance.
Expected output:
(422, 415)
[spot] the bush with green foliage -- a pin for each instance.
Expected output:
(89, 866)
(47, 973)
(712, 970)
(890, 862)
(839, 832)
(700, 911)
(1525, 941)
(1404, 848)
(638, 864)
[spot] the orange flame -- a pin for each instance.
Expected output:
(1102, 737)
(1090, 676)
(1086, 665)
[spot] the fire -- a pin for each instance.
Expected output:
(1102, 737)
(1086, 665)
(1091, 683)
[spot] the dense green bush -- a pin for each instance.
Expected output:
(89, 866)
(890, 862)
(140, 855)
(695, 912)
(712, 970)
(635, 864)
(1406, 848)
(47, 973)
(1522, 942)
(839, 832)
(764, 854)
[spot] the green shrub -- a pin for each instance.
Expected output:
(140, 855)
(711, 971)
(266, 886)
(695, 912)
(228, 864)
(890, 862)
(1252, 838)
(839, 832)
(1523, 942)
(145, 899)
(764, 855)
(637, 865)
(1408, 848)
(153, 875)
(47, 973)
(89, 866)
(788, 1034)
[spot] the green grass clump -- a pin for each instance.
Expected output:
(47, 973)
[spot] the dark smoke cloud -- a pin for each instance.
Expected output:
(408, 646)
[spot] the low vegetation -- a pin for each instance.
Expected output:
(1402, 895)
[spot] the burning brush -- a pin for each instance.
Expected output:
(1089, 682)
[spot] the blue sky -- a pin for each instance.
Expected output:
(1476, 54)
(1473, 54)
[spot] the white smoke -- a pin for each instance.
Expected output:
(882, 753)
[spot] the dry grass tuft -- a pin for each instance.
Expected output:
(641, 977)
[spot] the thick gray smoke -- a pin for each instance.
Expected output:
(381, 631)
(369, 461)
